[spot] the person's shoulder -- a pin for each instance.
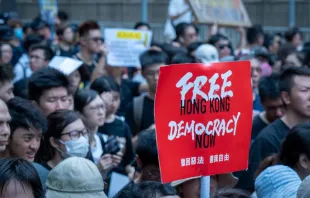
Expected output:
(270, 131)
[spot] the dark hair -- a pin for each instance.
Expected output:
(183, 58)
(57, 122)
(231, 193)
(83, 97)
(291, 33)
(60, 31)
(26, 26)
(193, 46)
(269, 87)
(105, 84)
(285, 50)
(296, 143)
(87, 26)
(25, 115)
(139, 24)
(253, 33)
(146, 148)
(22, 171)
(181, 28)
(62, 15)
(44, 79)
(287, 77)
(6, 73)
(48, 52)
(216, 38)
(151, 57)
(38, 24)
(31, 40)
(148, 189)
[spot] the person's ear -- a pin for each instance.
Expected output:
(138, 160)
(35, 103)
(304, 161)
(83, 41)
(54, 142)
(285, 98)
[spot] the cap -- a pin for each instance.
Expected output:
(207, 53)
(75, 177)
(64, 64)
(259, 51)
(277, 181)
(304, 188)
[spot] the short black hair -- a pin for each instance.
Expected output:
(291, 33)
(148, 189)
(44, 79)
(151, 57)
(193, 46)
(87, 26)
(83, 97)
(269, 87)
(253, 33)
(25, 115)
(183, 57)
(60, 31)
(6, 73)
(297, 142)
(216, 38)
(48, 52)
(146, 148)
(62, 15)
(105, 84)
(287, 77)
(31, 40)
(140, 23)
(22, 171)
(181, 28)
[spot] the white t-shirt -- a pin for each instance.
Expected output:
(97, 151)
(177, 7)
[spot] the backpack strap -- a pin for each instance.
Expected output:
(138, 103)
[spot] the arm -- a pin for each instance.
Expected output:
(173, 11)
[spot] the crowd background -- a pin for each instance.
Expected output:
(64, 135)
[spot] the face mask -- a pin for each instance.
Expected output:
(76, 148)
(18, 32)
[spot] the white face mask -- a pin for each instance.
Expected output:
(76, 148)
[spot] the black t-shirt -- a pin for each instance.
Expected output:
(258, 126)
(129, 90)
(268, 142)
(68, 53)
(147, 116)
(86, 70)
(120, 129)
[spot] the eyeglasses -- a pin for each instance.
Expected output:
(97, 39)
(75, 135)
(36, 57)
(224, 45)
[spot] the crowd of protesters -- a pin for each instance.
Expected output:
(64, 135)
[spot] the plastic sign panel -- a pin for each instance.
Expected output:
(203, 116)
(125, 46)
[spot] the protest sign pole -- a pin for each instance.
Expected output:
(205, 187)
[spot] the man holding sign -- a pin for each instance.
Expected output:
(207, 128)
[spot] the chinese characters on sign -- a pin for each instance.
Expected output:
(219, 158)
(192, 161)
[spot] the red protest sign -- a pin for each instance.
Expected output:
(203, 117)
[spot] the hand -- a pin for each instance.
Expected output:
(105, 163)
(104, 50)
(241, 30)
(214, 29)
(116, 159)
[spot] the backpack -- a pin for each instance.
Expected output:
(138, 103)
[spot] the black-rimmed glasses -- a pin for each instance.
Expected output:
(75, 135)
